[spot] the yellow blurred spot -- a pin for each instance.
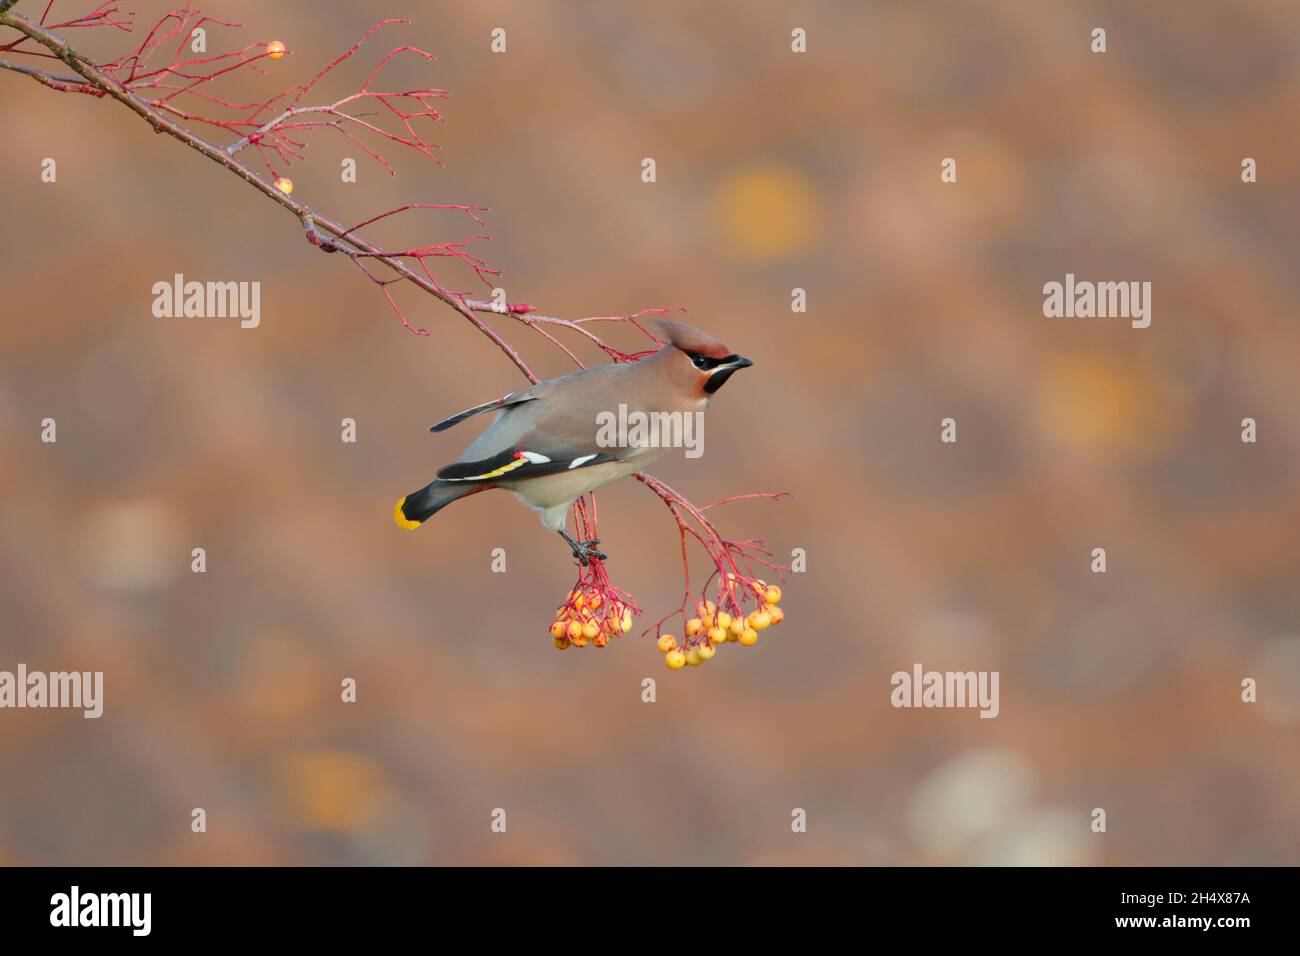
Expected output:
(1106, 404)
(334, 790)
(771, 212)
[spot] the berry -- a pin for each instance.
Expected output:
(776, 614)
(694, 627)
(772, 595)
(749, 637)
(285, 185)
(575, 630)
(667, 643)
(559, 630)
(590, 630)
(693, 657)
(706, 651)
(724, 620)
(760, 620)
(717, 635)
(275, 50)
(675, 659)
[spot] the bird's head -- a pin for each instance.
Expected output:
(697, 357)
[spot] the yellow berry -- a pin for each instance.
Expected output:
(285, 185)
(772, 595)
(627, 621)
(579, 641)
(561, 643)
(706, 651)
(737, 625)
(558, 630)
(675, 659)
(706, 608)
(775, 613)
(749, 637)
(759, 620)
(667, 643)
(694, 627)
(574, 630)
(733, 636)
(693, 657)
(590, 630)
(275, 50)
(717, 635)
(723, 620)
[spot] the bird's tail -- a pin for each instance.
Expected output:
(419, 506)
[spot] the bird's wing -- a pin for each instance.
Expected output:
(541, 433)
(505, 401)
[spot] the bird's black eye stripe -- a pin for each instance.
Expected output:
(704, 362)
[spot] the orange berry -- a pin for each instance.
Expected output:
(759, 620)
(595, 602)
(558, 630)
(693, 657)
(601, 639)
(561, 643)
(574, 630)
(667, 643)
(694, 627)
(275, 50)
(675, 659)
(706, 651)
(749, 637)
(717, 635)
(285, 185)
(772, 595)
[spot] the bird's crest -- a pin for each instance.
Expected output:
(691, 340)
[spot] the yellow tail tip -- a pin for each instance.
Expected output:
(401, 519)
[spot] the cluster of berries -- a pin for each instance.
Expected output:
(589, 617)
(714, 628)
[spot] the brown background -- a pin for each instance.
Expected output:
(820, 171)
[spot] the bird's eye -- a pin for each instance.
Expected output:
(702, 362)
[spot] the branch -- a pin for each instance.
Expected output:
(274, 128)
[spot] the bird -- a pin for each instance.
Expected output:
(546, 445)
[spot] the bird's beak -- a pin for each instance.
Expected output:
(738, 362)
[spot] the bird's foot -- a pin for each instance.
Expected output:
(584, 552)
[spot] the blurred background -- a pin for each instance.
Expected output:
(774, 171)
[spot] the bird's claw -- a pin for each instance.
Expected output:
(584, 552)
